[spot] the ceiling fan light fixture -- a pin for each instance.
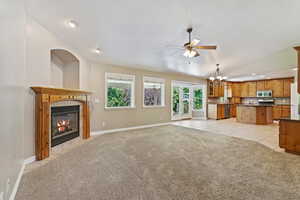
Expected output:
(190, 53)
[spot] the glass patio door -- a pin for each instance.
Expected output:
(181, 102)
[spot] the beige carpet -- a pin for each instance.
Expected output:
(166, 162)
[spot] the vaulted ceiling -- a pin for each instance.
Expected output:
(252, 36)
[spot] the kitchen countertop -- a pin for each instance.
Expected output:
(256, 105)
(291, 119)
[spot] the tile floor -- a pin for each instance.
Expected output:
(264, 134)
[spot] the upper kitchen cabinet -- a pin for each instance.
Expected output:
(260, 85)
(215, 89)
(268, 85)
(236, 89)
(277, 87)
(252, 89)
(287, 87)
(244, 89)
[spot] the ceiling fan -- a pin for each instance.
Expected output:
(191, 47)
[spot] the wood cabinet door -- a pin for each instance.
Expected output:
(244, 89)
(210, 89)
(260, 85)
(221, 90)
(268, 85)
(233, 110)
(287, 87)
(277, 88)
(285, 111)
(276, 112)
(252, 89)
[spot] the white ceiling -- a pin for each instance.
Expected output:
(252, 36)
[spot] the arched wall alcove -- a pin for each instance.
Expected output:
(64, 69)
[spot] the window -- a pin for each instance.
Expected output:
(198, 99)
(154, 92)
(119, 90)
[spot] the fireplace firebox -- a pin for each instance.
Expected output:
(65, 124)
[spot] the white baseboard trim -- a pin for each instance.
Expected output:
(16, 186)
(129, 128)
(29, 160)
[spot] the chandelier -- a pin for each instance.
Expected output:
(217, 76)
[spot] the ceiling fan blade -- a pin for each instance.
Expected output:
(195, 42)
(205, 47)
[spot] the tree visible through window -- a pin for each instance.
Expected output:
(176, 100)
(198, 102)
(119, 92)
(153, 91)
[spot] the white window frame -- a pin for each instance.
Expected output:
(122, 77)
(154, 80)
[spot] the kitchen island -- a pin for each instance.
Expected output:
(254, 114)
(289, 134)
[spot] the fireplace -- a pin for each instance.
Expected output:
(65, 124)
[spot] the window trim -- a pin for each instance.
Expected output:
(163, 94)
(120, 76)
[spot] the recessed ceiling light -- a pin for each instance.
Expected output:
(98, 51)
(72, 24)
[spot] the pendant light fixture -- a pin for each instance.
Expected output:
(217, 76)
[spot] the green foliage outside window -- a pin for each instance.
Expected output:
(176, 100)
(198, 104)
(117, 97)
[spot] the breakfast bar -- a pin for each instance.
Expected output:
(254, 114)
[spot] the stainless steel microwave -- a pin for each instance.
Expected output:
(264, 93)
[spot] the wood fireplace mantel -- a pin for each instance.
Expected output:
(45, 96)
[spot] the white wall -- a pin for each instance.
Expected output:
(71, 75)
(57, 72)
(12, 66)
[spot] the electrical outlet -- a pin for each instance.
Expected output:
(103, 124)
(1, 196)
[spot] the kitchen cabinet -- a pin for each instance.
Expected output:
(277, 87)
(244, 89)
(281, 111)
(268, 85)
(287, 87)
(236, 89)
(260, 85)
(285, 111)
(252, 89)
(215, 89)
(220, 111)
(276, 112)
(233, 110)
(289, 135)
